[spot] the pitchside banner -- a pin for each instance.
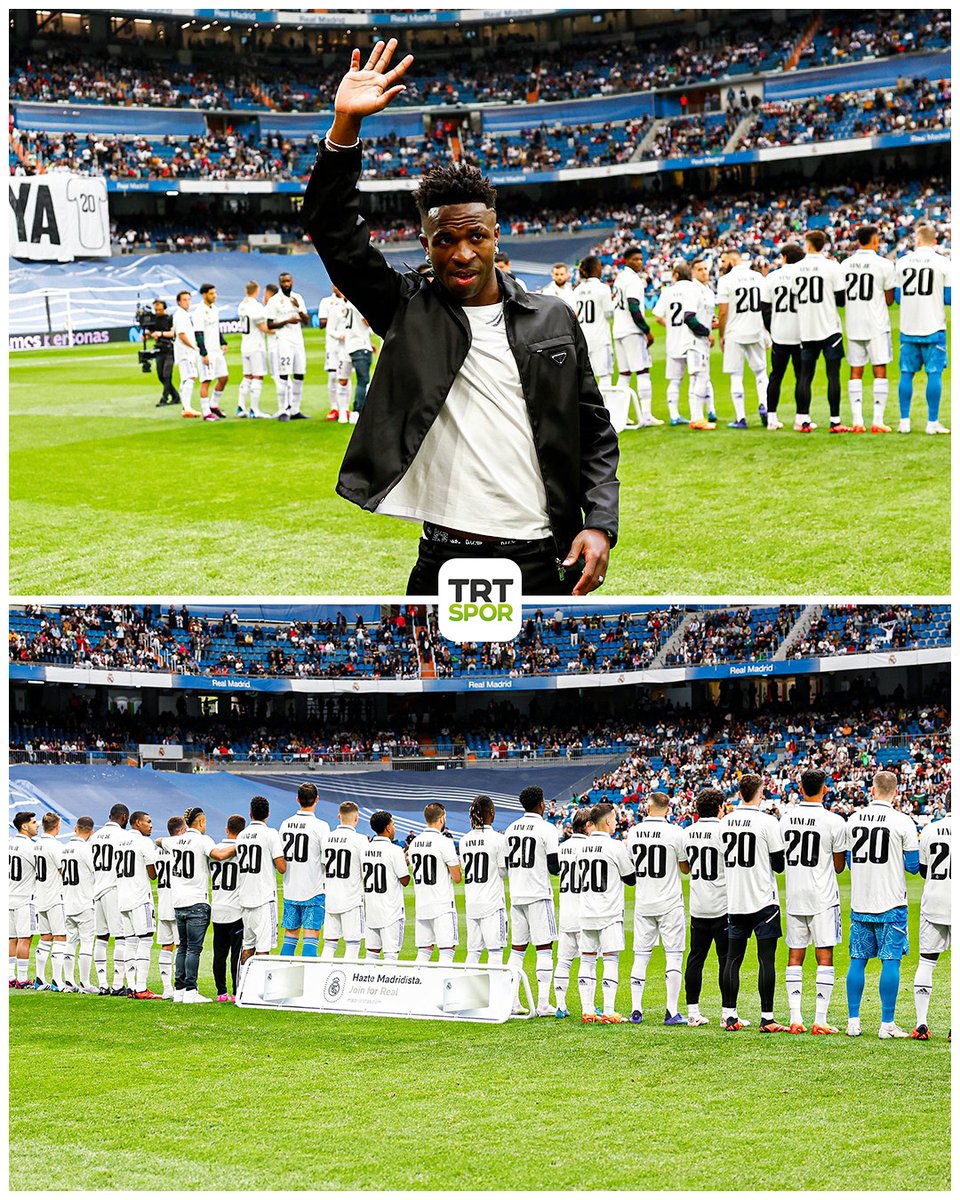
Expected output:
(419, 991)
(58, 217)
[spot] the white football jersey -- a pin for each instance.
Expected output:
(703, 848)
(48, 889)
(430, 854)
(935, 855)
(921, 276)
(811, 836)
(656, 847)
(252, 338)
(21, 863)
(564, 293)
(868, 277)
(749, 837)
(76, 869)
(302, 837)
(206, 320)
(602, 864)
(280, 308)
(594, 307)
(483, 853)
(384, 865)
(134, 854)
(700, 300)
(164, 891)
(743, 291)
(569, 855)
(343, 851)
(257, 847)
(356, 330)
(183, 323)
(674, 301)
(627, 286)
(190, 872)
(816, 282)
(784, 319)
(224, 888)
(880, 836)
(530, 840)
(103, 847)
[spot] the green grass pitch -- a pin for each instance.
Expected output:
(125, 1095)
(111, 495)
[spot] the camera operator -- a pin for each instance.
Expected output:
(163, 335)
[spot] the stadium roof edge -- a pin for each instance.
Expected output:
(399, 18)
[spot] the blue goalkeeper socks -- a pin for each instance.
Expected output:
(905, 394)
(889, 988)
(856, 978)
(289, 946)
(934, 392)
(310, 946)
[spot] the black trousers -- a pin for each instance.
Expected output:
(780, 358)
(540, 571)
(766, 975)
(805, 384)
(165, 375)
(704, 933)
(227, 942)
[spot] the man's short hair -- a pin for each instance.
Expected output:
(749, 786)
(812, 781)
(555, 265)
(816, 238)
(191, 815)
(481, 812)
(581, 819)
(927, 234)
(433, 812)
(83, 824)
(307, 795)
(658, 800)
(601, 810)
(632, 251)
(236, 824)
(206, 287)
(176, 825)
(531, 798)
(22, 818)
(50, 821)
(379, 821)
(792, 253)
(866, 234)
(590, 265)
(709, 802)
(501, 256)
(119, 813)
(185, 292)
(885, 783)
(252, 287)
(454, 185)
(162, 303)
(683, 270)
(348, 806)
(137, 816)
(259, 808)
(271, 288)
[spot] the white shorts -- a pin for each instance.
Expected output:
(260, 927)
(697, 361)
(877, 351)
(273, 357)
(188, 366)
(487, 933)
(52, 921)
(601, 358)
(437, 931)
(608, 940)
(676, 368)
(107, 915)
(23, 921)
(934, 938)
(80, 926)
(633, 353)
(291, 360)
(348, 925)
(568, 945)
(216, 368)
(139, 921)
(735, 354)
(670, 928)
(533, 924)
(254, 364)
(389, 939)
(822, 929)
(167, 932)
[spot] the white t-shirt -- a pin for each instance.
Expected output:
(183, 323)
(483, 853)
(816, 281)
(562, 293)
(343, 851)
(602, 865)
(569, 855)
(867, 277)
(251, 313)
(384, 865)
(76, 868)
(626, 287)
(784, 321)
(656, 847)
(103, 847)
(430, 854)
(936, 854)
(48, 889)
(704, 852)
(302, 837)
(749, 838)
(743, 291)
(281, 308)
(356, 330)
(22, 870)
(701, 301)
(675, 300)
(811, 836)
(257, 847)
(477, 469)
(880, 836)
(530, 840)
(164, 891)
(594, 307)
(190, 873)
(206, 320)
(921, 276)
(224, 885)
(134, 854)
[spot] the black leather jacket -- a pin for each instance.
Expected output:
(425, 341)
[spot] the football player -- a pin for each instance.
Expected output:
(226, 915)
(48, 901)
(603, 866)
(136, 868)
(259, 859)
(253, 350)
(76, 870)
(870, 283)
(303, 836)
(923, 286)
(343, 852)
(568, 943)
(532, 857)
(385, 875)
(632, 333)
(435, 869)
(104, 847)
(167, 936)
(780, 310)
(703, 851)
(740, 295)
(483, 854)
(935, 867)
(820, 289)
(22, 874)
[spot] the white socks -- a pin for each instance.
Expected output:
(43, 954)
(794, 980)
(131, 948)
(296, 395)
(544, 976)
(674, 979)
(424, 954)
(243, 393)
(855, 392)
(673, 398)
(922, 988)
(611, 981)
(165, 963)
(446, 955)
(881, 389)
(698, 397)
(100, 961)
(186, 391)
(119, 962)
(737, 396)
(57, 958)
(645, 394)
(561, 981)
(762, 379)
(825, 981)
(328, 951)
(638, 979)
(143, 963)
(256, 388)
(587, 983)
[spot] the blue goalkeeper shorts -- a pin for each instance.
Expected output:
(879, 935)
(929, 355)
(304, 914)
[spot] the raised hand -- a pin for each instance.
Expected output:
(365, 90)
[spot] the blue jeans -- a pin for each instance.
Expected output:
(192, 924)
(362, 360)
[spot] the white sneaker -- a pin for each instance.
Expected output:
(168, 994)
(700, 1020)
(892, 1031)
(773, 422)
(546, 1010)
(936, 427)
(90, 991)
(905, 426)
(853, 1027)
(342, 419)
(354, 418)
(652, 420)
(178, 996)
(195, 998)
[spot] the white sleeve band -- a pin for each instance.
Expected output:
(332, 145)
